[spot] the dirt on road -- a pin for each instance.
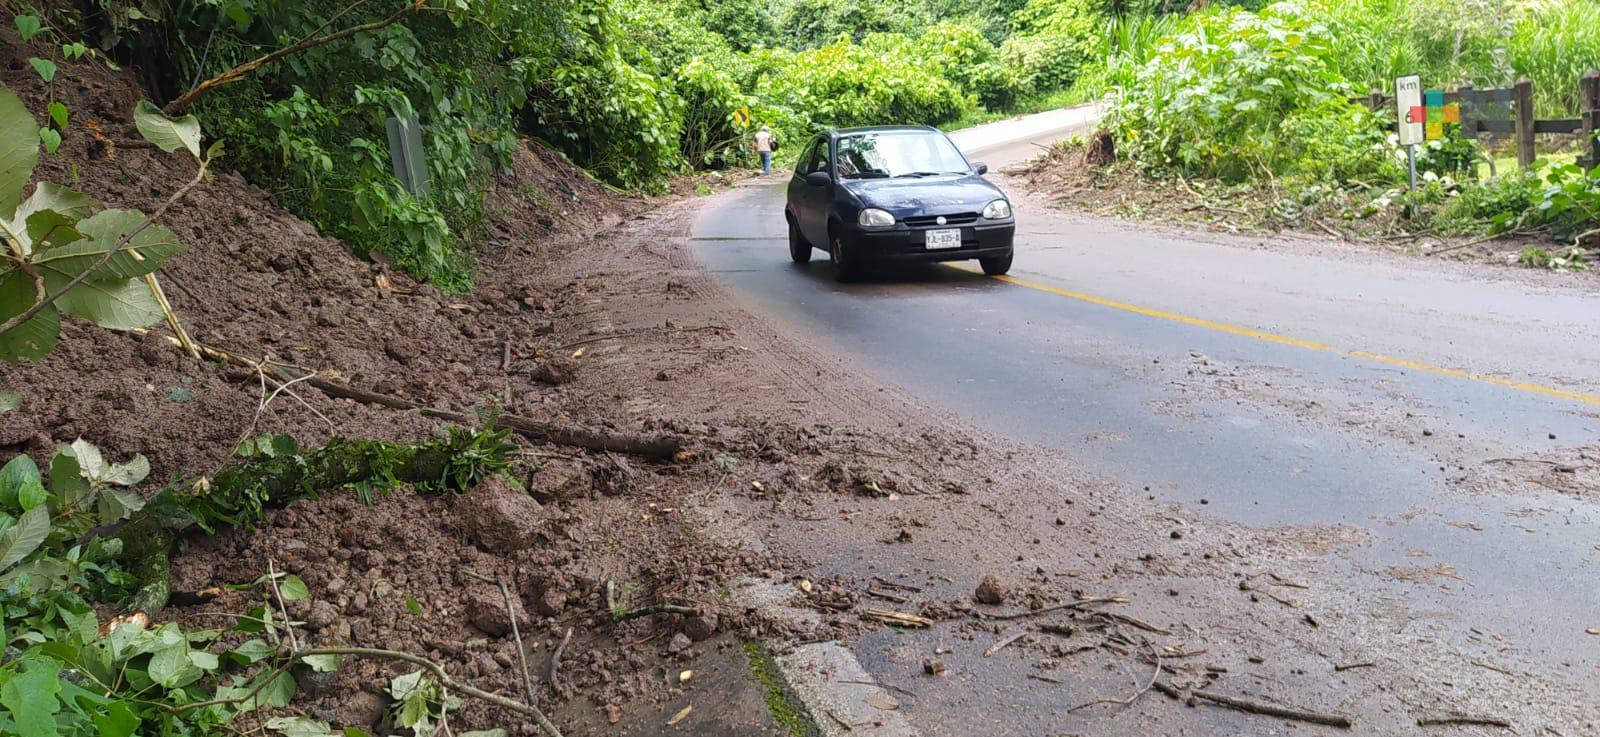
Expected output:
(871, 511)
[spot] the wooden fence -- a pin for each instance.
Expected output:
(1508, 113)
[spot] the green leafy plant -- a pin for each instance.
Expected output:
(65, 253)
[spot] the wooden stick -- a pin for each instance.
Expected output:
(1004, 641)
(555, 661)
(445, 680)
(1058, 607)
(1264, 709)
(1464, 720)
(663, 447)
(646, 611)
(893, 617)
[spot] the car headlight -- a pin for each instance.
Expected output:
(997, 210)
(872, 217)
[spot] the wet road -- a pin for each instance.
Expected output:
(1279, 383)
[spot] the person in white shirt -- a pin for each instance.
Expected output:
(765, 144)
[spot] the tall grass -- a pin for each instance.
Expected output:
(1554, 44)
(1130, 41)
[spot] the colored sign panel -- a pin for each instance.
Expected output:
(1433, 104)
(1408, 103)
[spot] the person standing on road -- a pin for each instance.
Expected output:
(765, 144)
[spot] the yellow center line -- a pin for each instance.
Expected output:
(1521, 386)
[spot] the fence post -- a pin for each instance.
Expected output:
(1375, 100)
(1589, 114)
(1468, 128)
(1522, 96)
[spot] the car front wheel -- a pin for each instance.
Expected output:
(844, 267)
(799, 248)
(996, 266)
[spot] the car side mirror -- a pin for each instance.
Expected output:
(981, 168)
(819, 179)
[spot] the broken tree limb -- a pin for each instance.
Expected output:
(451, 684)
(901, 618)
(1079, 604)
(240, 493)
(1004, 641)
(661, 447)
(646, 611)
(243, 70)
(1255, 707)
(1464, 720)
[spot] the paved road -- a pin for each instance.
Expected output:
(1284, 382)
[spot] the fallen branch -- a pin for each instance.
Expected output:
(1004, 641)
(1479, 241)
(527, 710)
(1257, 707)
(1079, 604)
(1464, 720)
(900, 618)
(240, 72)
(662, 447)
(516, 634)
(555, 662)
(646, 611)
(1154, 675)
(1125, 619)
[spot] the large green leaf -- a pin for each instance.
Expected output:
(19, 151)
(116, 721)
(30, 696)
(168, 134)
(35, 338)
(52, 196)
(16, 474)
(24, 537)
(117, 304)
(48, 228)
(145, 253)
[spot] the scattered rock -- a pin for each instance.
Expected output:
(321, 616)
(500, 519)
(702, 627)
(933, 666)
(1177, 534)
(680, 642)
(365, 708)
(550, 601)
(560, 479)
(991, 591)
(558, 370)
(613, 713)
(486, 610)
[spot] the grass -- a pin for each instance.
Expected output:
(784, 706)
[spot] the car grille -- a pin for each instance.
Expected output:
(929, 221)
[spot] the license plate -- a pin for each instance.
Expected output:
(943, 239)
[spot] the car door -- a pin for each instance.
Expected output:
(797, 190)
(813, 212)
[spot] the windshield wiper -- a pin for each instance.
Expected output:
(921, 174)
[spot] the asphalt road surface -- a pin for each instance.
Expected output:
(1432, 406)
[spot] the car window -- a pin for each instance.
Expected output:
(802, 165)
(880, 155)
(817, 157)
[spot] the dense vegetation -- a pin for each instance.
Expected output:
(634, 91)
(1260, 100)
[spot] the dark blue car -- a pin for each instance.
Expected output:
(875, 195)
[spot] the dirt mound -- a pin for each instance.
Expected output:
(258, 282)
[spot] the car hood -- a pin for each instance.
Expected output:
(906, 197)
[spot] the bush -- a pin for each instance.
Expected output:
(1054, 39)
(812, 23)
(1555, 44)
(1235, 95)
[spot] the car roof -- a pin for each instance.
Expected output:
(839, 132)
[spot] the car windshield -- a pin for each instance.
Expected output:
(883, 155)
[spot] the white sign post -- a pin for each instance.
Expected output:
(1408, 105)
